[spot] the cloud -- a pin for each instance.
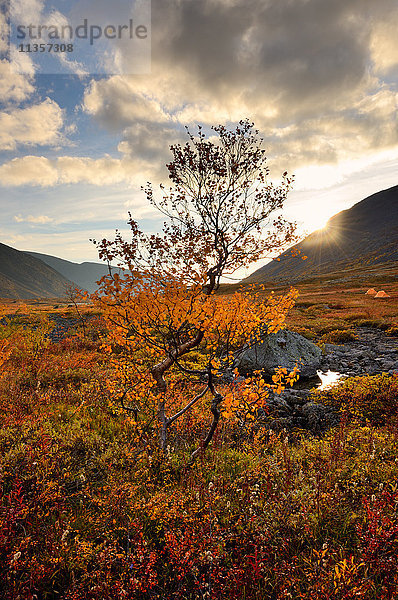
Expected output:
(384, 44)
(118, 104)
(28, 170)
(39, 220)
(315, 77)
(45, 172)
(59, 20)
(13, 86)
(308, 72)
(322, 177)
(15, 83)
(26, 10)
(39, 124)
(101, 171)
(4, 33)
(297, 55)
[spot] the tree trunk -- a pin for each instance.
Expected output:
(158, 372)
(218, 398)
(163, 426)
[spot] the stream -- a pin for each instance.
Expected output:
(372, 353)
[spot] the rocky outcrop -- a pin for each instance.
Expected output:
(292, 410)
(283, 349)
(372, 353)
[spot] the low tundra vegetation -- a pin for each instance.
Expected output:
(338, 336)
(91, 509)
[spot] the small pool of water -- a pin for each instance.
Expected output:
(328, 379)
(321, 382)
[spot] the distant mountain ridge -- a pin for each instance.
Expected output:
(84, 275)
(365, 235)
(26, 277)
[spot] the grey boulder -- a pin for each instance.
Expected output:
(282, 349)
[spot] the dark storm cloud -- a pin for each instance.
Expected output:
(305, 53)
(318, 78)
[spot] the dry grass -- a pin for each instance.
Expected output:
(326, 305)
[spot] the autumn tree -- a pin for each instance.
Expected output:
(177, 334)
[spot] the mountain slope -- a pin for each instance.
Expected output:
(365, 235)
(24, 276)
(84, 274)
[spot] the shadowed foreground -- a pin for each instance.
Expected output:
(90, 510)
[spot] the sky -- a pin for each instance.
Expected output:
(319, 78)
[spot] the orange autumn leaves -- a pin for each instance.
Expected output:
(5, 351)
(162, 307)
(143, 319)
(246, 397)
